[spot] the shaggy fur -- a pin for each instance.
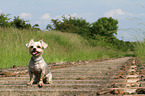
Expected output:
(38, 69)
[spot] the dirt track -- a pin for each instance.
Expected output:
(90, 79)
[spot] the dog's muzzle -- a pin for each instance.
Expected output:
(34, 49)
(34, 52)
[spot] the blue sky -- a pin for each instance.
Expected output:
(129, 13)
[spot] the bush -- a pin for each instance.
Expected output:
(36, 27)
(4, 20)
(71, 24)
(17, 23)
(105, 27)
(104, 30)
(20, 24)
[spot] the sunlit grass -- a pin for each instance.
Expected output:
(62, 47)
(140, 50)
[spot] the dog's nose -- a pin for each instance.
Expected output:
(34, 49)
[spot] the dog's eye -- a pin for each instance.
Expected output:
(31, 46)
(38, 47)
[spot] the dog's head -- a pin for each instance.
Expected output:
(36, 48)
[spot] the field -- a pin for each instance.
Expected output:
(63, 47)
(73, 78)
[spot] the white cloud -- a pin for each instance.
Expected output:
(120, 14)
(45, 17)
(114, 12)
(26, 15)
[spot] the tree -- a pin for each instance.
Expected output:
(4, 20)
(20, 23)
(105, 27)
(17, 23)
(49, 27)
(71, 24)
(36, 27)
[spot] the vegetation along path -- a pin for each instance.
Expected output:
(83, 78)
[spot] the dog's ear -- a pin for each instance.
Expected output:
(44, 45)
(28, 44)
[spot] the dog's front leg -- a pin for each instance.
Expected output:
(31, 78)
(41, 80)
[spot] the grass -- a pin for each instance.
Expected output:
(140, 45)
(62, 47)
(140, 50)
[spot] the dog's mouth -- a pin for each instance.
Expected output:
(35, 53)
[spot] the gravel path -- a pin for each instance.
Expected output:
(85, 79)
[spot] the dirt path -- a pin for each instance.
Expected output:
(90, 79)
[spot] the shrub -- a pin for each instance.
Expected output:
(104, 30)
(4, 20)
(17, 23)
(71, 24)
(36, 27)
(105, 27)
(20, 23)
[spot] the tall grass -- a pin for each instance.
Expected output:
(140, 50)
(62, 47)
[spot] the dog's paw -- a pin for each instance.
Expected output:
(40, 84)
(49, 82)
(29, 83)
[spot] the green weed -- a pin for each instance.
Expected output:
(62, 47)
(140, 50)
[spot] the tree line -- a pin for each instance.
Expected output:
(103, 26)
(103, 29)
(16, 23)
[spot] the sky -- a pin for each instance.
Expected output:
(129, 13)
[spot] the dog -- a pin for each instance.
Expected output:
(38, 69)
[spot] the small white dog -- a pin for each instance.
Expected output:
(38, 69)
